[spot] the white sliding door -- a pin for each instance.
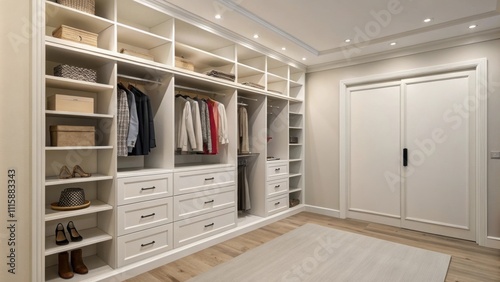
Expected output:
(439, 126)
(374, 151)
(410, 159)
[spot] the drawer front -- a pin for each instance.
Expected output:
(195, 181)
(277, 170)
(144, 215)
(144, 188)
(277, 204)
(193, 229)
(194, 204)
(277, 187)
(141, 245)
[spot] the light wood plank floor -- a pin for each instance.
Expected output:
(469, 262)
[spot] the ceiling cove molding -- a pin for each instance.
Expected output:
(231, 5)
(411, 32)
(488, 35)
(183, 15)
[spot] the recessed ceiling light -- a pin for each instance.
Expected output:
(303, 59)
(283, 48)
(218, 16)
(256, 36)
(472, 26)
(347, 40)
(393, 43)
(428, 20)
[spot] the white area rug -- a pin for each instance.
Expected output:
(316, 253)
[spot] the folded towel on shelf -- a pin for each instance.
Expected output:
(220, 74)
(253, 85)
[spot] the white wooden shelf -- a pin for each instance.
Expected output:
(58, 14)
(295, 127)
(295, 144)
(54, 180)
(78, 54)
(201, 59)
(271, 78)
(295, 160)
(139, 38)
(90, 236)
(63, 114)
(67, 83)
(295, 84)
(68, 148)
(293, 190)
(293, 113)
(95, 265)
(296, 100)
(294, 175)
(95, 207)
(246, 71)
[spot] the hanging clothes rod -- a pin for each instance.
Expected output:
(138, 79)
(242, 104)
(198, 90)
(271, 106)
(246, 98)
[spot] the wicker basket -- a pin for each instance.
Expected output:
(87, 6)
(77, 73)
(137, 54)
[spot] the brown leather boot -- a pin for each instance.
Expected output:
(77, 262)
(63, 268)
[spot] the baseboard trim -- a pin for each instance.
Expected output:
(492, 242)
(322, 211)
(132, 270)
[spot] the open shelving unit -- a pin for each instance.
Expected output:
(274, 92)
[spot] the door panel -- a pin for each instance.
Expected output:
(438, 191)
(374, 169)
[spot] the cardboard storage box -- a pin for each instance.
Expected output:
(76, 35)
(183, 63)
(67, 103)
(70, 135)
(137, 54)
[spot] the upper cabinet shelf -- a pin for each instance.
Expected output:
(57, 14)
(140, 16)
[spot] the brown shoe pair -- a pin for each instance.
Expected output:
(77, 266)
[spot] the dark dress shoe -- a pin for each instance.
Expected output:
(73, 233)
(61, 235)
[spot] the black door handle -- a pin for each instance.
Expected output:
(405, 157)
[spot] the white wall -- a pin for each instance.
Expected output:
(322, 120)
(15, 135)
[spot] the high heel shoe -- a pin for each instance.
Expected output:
(73, 233)
(61, 235)
(64, 173)
(78, 170)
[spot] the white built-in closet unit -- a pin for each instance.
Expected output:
(190, 196)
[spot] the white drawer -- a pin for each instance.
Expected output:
(193, 229)
(193, 204)
(143, 215)
(143, 188)
(277, 204)
(198, 180)
(277, 187)
(277, 169)
(144, 244)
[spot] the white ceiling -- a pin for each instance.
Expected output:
(316, 29)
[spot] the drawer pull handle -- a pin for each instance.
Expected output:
(210, 178)
(209, 225)
(208, 202)
(277, 186)
(149, 188)
(277, 169)
(147, 244)
(277, 203)
(149, 215)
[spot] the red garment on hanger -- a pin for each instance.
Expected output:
(213, 113)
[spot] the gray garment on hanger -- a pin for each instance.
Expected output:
(133, 129)
(205, 120)
(123, 123)
(243, 145)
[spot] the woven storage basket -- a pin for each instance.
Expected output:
(87, 6)
(77, 73)
(137, 54)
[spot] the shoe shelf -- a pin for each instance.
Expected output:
(95, 265)
(90, 236)
(95, 207)
(54, 180)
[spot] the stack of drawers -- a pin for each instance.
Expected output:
(145, 216)
(204, 202)
(276, 186)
